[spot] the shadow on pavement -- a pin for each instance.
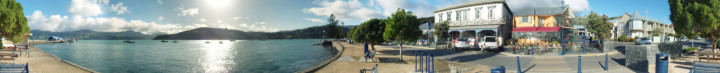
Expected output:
(601, 65)
(472, 57)
(619, 61)
(529, 68)
(390, 60)
(435, 52)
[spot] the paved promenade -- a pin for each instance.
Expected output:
(42, 62)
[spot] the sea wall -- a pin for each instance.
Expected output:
(337, 50)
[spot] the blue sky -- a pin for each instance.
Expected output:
(172, 16)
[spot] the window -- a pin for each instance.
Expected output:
(463, 14)
(477, 12)
(447, 14)
(491, 11)
(525, 19)
(457, 15)
(440, 17)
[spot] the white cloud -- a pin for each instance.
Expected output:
(219, 21)
(341, 9)
(262, 22)
(236, 18)
(86, 7)
(315, 20)
(189, 11)
(420, 8)
(119, 8)
(58, 23)
(160, 2)
(203, 20)
(161, 18)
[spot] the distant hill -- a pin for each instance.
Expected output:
(205, 33)
(92, 35)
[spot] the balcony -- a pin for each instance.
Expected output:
(474, 22)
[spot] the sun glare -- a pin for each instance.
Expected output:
(218, 3)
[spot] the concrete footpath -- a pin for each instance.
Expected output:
(42, 62)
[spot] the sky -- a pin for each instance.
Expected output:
(173, 16)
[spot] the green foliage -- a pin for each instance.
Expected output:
(693, 18)
(13, 24)
(370, 31)
(402, 26)
(656, 32)
(599, 25)
(690, 49)
(441, 31)
(673, 35)
(333, 30)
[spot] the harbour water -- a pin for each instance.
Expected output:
(192, 56)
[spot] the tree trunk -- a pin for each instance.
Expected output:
(401, 49)
(372, 46)
(714, 45)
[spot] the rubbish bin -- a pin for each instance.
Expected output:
(497, 69)
(661, 63)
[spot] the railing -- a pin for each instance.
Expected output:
(477, 22)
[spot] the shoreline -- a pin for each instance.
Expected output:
(65, 66)
(339, 50)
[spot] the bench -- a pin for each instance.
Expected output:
(14, 68)
(705, 67)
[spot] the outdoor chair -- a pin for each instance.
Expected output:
(370, 56)
(374, 69)
(14, 68)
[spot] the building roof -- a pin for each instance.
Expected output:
(470, 4)
(637, 16)
(541, 11)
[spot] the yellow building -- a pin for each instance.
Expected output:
(540, 25)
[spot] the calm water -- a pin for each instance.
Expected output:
(192, 56)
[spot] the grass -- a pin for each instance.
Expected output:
(690, 49)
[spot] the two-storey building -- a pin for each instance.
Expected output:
(541, 25)
(477, 19)
(636, 25)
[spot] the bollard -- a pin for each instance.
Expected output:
(416, 61)
(693, 69)
(518, 64)
(421, 60)
(532, 50)
(661, 63)
(428, 63)
(433, 63)
(579, 64)
(606, 62)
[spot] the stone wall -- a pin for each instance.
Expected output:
(674, 49)
(641, 57)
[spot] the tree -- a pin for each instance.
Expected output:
(402, 26)
(598, 25)
(370, 31)
(333, 30)
(656, 32)
(13, 24)
(441, 31)
(696, 18)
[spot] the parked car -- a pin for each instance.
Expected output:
(462, 43)
(643, 41)
(489, 43)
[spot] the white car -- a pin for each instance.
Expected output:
(643, 41)
(462, 43)
(488, 43)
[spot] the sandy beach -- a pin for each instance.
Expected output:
(42, 62)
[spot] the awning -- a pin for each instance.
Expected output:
(536, 29)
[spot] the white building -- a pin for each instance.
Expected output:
(637, 25)
(477, 19)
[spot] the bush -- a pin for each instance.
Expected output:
(690, 49)
(622, 38)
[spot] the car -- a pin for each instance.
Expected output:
(462, 43)
(488, 43)
(643, 41)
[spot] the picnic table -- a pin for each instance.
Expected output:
(706, 55)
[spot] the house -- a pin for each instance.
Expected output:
(636, 25)
(477, 19)
(540, 25)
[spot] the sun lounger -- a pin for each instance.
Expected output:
(14, 68)
(370, 56)
(374, 69)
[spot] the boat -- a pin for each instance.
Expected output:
(71, 40)
(206, 42)
(164, 41)
(174, 41)
(128, 41)
(221, 42)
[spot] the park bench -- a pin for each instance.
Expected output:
(705, 67)
(370, 55)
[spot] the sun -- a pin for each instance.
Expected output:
(218, 3)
